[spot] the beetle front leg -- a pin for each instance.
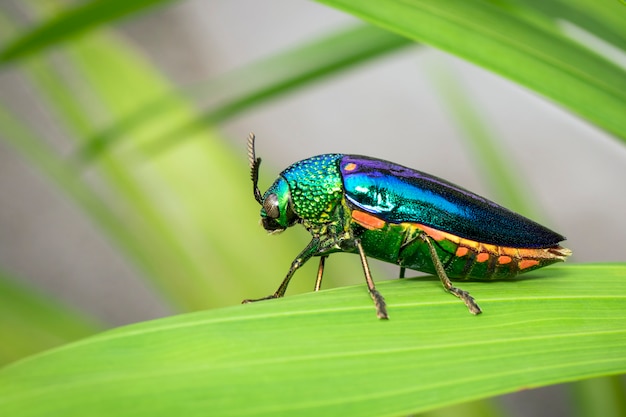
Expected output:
(379, 301)
(320, 272)
(310, 250)
(463, 295)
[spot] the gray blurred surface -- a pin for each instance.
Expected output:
(389, 109)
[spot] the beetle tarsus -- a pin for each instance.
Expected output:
(467, 299)
(254, 300)
(379, 303)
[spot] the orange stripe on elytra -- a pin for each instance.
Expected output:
(438, 235)
(529, 253)
(511, 252)
(367, 220)
(489, 248)
(472, 244)
(524, 257)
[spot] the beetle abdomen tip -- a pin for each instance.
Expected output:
(560, 252)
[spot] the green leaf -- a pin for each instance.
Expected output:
(605, 19)
(533, 54)
(31, 322)
(70, 23)
(325, 353)
(254, 85)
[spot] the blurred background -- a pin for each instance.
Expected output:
(124, 186)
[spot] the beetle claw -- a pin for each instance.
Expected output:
(467, 299)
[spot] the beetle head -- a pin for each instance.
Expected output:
(276, 207)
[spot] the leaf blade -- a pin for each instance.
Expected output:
(530, 54)
(70, 23)
(321, 352)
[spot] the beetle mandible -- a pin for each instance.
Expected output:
(376, 208)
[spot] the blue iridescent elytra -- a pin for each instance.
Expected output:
(398, 194)
(376, 208)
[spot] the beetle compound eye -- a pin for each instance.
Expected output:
(270, 205)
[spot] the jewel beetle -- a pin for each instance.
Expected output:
(372, 207)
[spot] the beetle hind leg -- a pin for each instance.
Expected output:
(441, 273)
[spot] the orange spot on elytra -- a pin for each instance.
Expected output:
(482, 257)
(367, 220)
(504, 259)
(527, 263)
(461, 251)
(350, 167)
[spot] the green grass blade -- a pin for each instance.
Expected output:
(256, 84)
(533, 55)
(31, 322)
(26, 143)
(325, 353)
(70, 23)
(605, 19)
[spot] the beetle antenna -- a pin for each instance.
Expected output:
(255, 163)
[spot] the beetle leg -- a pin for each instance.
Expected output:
(379, 301)
(402, 272)
(320, 272)
(463, 295)
(306, 254)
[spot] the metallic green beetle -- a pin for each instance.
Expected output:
(358, 204)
